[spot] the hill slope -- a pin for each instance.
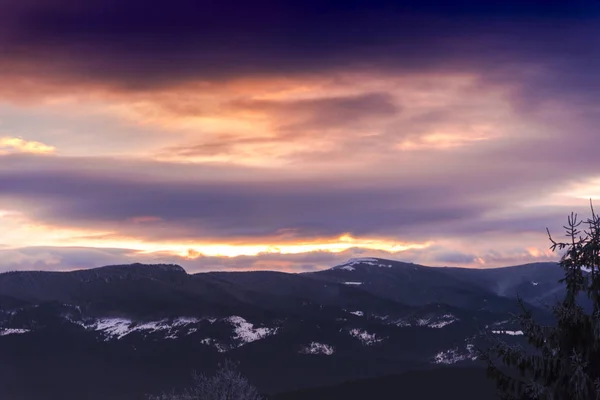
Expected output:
(443, 383)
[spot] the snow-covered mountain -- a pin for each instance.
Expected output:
(367, 317)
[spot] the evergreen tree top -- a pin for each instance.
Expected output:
(562, 361)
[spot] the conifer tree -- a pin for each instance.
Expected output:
(562, 361)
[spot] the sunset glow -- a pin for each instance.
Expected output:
(11, 144)
(440, 138)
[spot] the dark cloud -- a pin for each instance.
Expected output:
(233, 209)
(409, 207)
(136, 44)
(455, 258)
(135, 168)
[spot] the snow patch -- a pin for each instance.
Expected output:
(122, 327)
(401, 323)
(152, 326)
(10, 331)
(353, 283)
(117, 328)
(455, 355)
(363, 260)
(181, 321)
(214, 343)
(171, 335)
(317, 348)
(512, 333)
(245, 331)
(451, 356)
(365, 337)
(357, 313)
(444, 320)
(76, 322)
(432, 322)
(113, 327)
(534, 283)
(349, 265)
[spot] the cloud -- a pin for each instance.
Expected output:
(234, 209)
(154, 66)
(139, 46)
(281, 125)
(324, 123)
(61, 258)
(290, 126)
(456, 258)
(164, 202)
(324, 112)
(13, 144)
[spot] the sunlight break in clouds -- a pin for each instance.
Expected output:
(12, 144)
(20, 232)
(590, 189)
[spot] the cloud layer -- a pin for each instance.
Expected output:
(289, 136)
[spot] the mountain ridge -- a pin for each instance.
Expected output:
(179, 268)
(335, 324)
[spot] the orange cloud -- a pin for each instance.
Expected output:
(283, 122)
(25, 232)
(306, 120)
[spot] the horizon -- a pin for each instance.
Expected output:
(273, 270)
(294, 136)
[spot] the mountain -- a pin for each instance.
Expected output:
(127, 330)
(480, 289)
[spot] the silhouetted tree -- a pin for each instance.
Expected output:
(563, 360)
(226, 384)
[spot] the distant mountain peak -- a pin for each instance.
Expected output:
(351, 263)
(138, 267)
(108, 269)
(128, 271)
(132, 271)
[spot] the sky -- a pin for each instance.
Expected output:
(291, 136)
